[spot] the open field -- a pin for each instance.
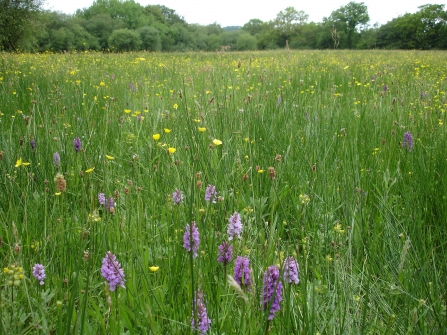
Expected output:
(335, 158)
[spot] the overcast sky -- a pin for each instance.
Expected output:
(239, 12)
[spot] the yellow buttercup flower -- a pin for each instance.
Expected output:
(19, 162)
(156, 137)
(90, 170)
(26, 163)
(175, 106)
(166, 130)
(154, 268)
(201, 129)
(127, 111)
(171, 150)
(57, 193)
(217, 142)
(110, 158)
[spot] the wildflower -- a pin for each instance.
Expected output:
(234, 226)
(171, 150)
(272, 172)
(203, 320)
(15, 274)
(56, 159)
(102, 199)
(211, 193)
(156, 137)
(291, 270)
(191, 235)
(166, 130)
(272, 290)
(39, 273)
(242, 271)
(110, 158)
(112, 272)
(154, 268)
(304, 198)
(217, 142)
(18, 162)
(175, 106)
(61, 184)
(111, 203)
(201, 129)
(225, 254)
(90, 170)
(177, 196)
(77, 144)
(408, 140)
(32, 143)
(385, 87)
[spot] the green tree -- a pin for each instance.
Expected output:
(246, 41)
(150, 38)
(101, 26)
(253, 27)
(349, 19)
(214, 42)
(287, 21)
(124, 40)
(15, 17)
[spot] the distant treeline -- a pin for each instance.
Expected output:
(117, 26)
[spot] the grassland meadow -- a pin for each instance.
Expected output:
(283, 192)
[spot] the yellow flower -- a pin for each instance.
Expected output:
(304, 198)
(260, 171)
(171, 150)
(19, 162)
(90, 170)
(57, 193)
(339, 229)
(127, 111)
(156, 137)
(110, 158)
(217, 142)
(102, 83)
(26, 163)
(201, 129)
(154, 268)
(175, 106)
(166, 130)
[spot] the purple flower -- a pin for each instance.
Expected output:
(102, 199)
(111, 203)
(385, 87)
(203, 320)
(408, 140)
(77, 144)
(32, 143)
(39, 273)
(187, 238)
(211, 193)
(242, 271)
(112, 272)
(177, 196)
(291, 270)
(225, 254)
(272, 292)
(234, 226)
(56, 159)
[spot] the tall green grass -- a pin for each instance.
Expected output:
(312, 157)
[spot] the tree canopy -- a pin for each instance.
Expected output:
(124, 25)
